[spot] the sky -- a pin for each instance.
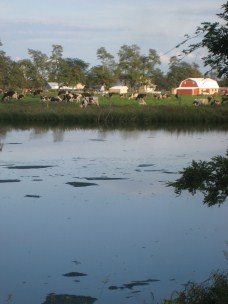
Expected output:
(82, 27)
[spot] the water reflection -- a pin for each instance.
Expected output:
(123, 240)
(210, 178)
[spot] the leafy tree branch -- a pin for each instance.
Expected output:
(210, 178)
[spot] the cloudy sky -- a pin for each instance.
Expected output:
(81, 27)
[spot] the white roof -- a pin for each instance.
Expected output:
(119, 87)
(205, 83)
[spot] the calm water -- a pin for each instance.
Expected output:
(87, 212)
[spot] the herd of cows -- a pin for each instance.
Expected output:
(85, 98)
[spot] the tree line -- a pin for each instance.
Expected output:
(132, 68)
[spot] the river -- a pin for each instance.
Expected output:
(88, 213)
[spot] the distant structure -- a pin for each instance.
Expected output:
(198, 86)
(56, 86)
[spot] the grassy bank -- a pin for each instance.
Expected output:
(114, 112)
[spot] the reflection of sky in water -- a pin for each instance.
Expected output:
(125, 230)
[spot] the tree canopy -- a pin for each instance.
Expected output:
(215, 40)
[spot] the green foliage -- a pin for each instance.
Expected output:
(180, 70)
(210, 178)
(212, 291)
(135, 68)
(215, 40)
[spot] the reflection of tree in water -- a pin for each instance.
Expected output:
(1, 146)
(58, 135)
(68, 299)
(210, 178)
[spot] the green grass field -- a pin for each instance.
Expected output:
(114, 112)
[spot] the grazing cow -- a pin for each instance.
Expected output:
(86, 94)
(37, 92)
(86, 101)
(9, 95)
(20, 96)
(62, 92)
(141, 96)
(71, 97)
(56, 99)
(216, 103)
(45, 98)
(201, 102)
(133, 95)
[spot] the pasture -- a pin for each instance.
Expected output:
(113, 111)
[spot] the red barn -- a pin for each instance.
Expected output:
(198, 86)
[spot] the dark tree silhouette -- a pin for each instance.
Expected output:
(210, 178)
(215, 40)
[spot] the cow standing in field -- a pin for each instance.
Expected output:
(140, 98)
(87, 101)
(9, 95)
(56, 99)
(71, 97)
(133, 95)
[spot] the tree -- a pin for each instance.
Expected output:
(136, 69)
(129, 64)
(179, 70)
(107, 60)
(215, 40)
(72, 71)
(40, 68)
(55, 62)
(5, 63)
(149, 62)
(210, 178)
(104, 74)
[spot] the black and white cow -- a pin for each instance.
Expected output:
(71, 97)
(9, 95)
(86, 101)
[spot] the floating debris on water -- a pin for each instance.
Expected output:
(105, 178)
(133, 284)
(32, 195)
(81, 184)
(74, 274)
(145, 165)
(14, 143)
(9, 180)
(94, 139)
(76, 262)
(66, 298)
(29, 167)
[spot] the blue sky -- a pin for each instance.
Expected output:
(81, 27)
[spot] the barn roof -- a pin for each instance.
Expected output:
(206, 83)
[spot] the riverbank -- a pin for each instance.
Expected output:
(112, 114)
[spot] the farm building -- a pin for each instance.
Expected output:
(197, 86)
(118, 90)
(56, 86)
(52, 86)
